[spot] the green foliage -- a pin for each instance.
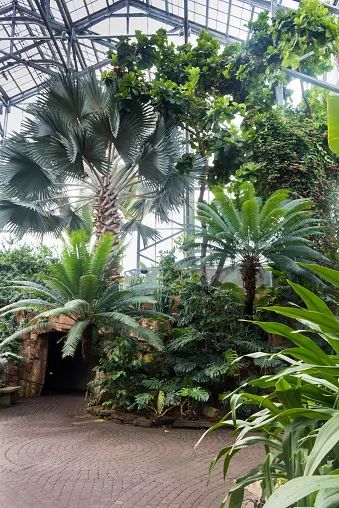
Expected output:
(189, 86)
(200, 349)
(203, 89)
(198, 84)
(81, 140)
(303, 38)
(123, 366)
(251, 233)
(314, 106)
(17, 263)
(78, 287)
(207, 320)
(127, 370)
(165, 397)
(288, 149)
(291, 151)
(298, 412)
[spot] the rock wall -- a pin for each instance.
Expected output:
(11, 375)
(32, 371)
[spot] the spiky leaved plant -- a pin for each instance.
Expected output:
(78, 287)
(252, 234)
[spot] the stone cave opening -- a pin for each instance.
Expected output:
(64, 375)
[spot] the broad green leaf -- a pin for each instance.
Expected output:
(324, 323)
(289, 397)
(312, 301)
(333, 123)
(272, 203)
(301, 340)
(88, 287)
(327, 498)
(327, 438)
(290, 442)
(267, 471)
(298, 488)
(250, 217)
(325, 273)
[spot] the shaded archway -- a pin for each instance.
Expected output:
(64, 375)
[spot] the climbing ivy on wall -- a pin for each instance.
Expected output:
(290, 151)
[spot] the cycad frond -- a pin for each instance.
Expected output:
(79, 288)
(101, 254)
(74, 338)
(276, 231)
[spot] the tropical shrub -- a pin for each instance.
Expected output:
(19, 263)
(8, 353)
(297, 420)
(206, 319)
(179, 378)
(125, 362)
(290, 150)
(253, 234)
(79, 287)
(130, 376)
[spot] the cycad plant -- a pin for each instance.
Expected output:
(78, 287)
(252, 234)
(82, 146)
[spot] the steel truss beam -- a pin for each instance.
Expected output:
(63, 38)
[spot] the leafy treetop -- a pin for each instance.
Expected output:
(203, 87)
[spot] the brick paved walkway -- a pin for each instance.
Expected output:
(49, 459)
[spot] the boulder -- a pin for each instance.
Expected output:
(127, 418)
(165, 420)
(142, 421)
(115, 420)
(106, 412)
(211, 412)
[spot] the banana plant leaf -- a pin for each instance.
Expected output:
(333, 122)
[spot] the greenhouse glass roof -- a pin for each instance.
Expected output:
(40, 37)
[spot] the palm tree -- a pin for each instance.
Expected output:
(78, 289)
(256, 234)
(82, 146)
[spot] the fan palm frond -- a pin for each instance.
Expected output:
(80, 135)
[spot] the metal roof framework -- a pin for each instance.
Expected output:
(38, 38)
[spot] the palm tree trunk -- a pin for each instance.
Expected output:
(106, 213)
(249, 270)
(107, 217)
(216, 277)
